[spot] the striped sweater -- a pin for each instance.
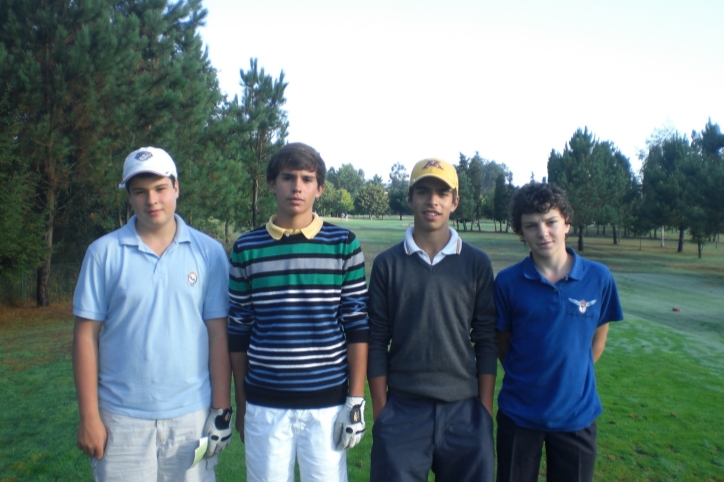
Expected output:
(295, 304)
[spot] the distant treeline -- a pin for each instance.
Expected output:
(85, 83)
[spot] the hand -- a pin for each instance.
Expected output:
(349, 428)
(91, 437)
(218, 429)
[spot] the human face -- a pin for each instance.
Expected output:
(432, 202)
(154, 201)
(545, 234)
(295, 192)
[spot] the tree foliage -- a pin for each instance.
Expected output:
(501, 201)
(398, 190)
(669, 180)
(372, 200)
(266, 123)
(349, 179)
(334, 202)
(595, 176)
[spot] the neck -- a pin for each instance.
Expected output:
(157, 240)
(556, 268)
(294, 222)
(431, 242)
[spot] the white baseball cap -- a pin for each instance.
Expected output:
(148, 159)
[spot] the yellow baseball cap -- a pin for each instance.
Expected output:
(436, 168)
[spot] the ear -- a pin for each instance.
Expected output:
(455, 204)
(176, 188)
(272, 185)
(320, 190)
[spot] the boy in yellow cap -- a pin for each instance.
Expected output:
(432, 351)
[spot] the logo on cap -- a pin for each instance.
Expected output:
(432, 163)
(143, 156)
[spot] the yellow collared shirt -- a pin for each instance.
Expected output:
(309, 231)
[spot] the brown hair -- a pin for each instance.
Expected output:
(296, 156)
(536, 197)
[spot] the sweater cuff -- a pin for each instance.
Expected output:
(238, 343)
(376, 364)
(357, 336)
(487, 364)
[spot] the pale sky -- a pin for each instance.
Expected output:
(377, 82)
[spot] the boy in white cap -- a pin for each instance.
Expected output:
(150, 357)
(432, 355)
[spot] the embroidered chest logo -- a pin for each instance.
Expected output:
(192, 278)
(582, 304)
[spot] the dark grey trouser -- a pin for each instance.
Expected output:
(454, 439)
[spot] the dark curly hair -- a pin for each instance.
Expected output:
(296, 156)
(537, 197)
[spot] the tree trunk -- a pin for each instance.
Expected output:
(615, 238)
(42, 293)
(226, 231)
(580, 238)
(662, 236)
(254, 202)
(700, 246)
(680, 249)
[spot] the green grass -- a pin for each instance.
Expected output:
(659, 379)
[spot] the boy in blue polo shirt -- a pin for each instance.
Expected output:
(553, 313)
(150, 358)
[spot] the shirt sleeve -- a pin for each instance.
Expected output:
(216, 300)
(89, 299)
(241, 308)
(482, 333)
(354, 296)
(611, 309)
(503, 322)
(380, 328)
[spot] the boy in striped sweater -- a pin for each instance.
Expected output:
(298, 331)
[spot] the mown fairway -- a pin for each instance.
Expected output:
(659, 379)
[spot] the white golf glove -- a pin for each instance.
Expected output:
(349, 428)
(218, 429)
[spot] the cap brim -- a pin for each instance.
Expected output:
(123, 183)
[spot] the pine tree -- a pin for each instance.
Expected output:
(261, 117)
(63, 59)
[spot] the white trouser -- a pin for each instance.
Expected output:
(153, 450)
(274, 438)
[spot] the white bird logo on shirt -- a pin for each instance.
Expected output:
(582, 304)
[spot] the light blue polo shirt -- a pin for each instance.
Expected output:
(154, 347)
(549, 383)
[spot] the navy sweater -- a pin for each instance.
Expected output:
(438, 321)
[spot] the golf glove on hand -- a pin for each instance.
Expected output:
(218, 429)
(349, 428)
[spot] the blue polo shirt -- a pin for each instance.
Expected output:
(153, 347)
(549, 382)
